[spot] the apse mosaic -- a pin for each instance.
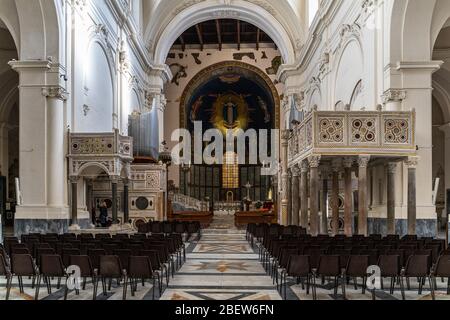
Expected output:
(231, 101)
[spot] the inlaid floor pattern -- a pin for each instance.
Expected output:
(221, 266)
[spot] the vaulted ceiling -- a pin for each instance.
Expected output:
(221, 33)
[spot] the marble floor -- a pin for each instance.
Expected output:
(222, 265)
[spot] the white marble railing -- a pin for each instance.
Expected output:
(342, 132)
(189, 202)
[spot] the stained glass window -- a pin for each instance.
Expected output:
(230, 175)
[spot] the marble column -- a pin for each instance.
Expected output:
(126, 207)
(304, 195)
(391, 170)
(411, 163)
(89, 198)
(289, 197)
(324, 202)
(74, 203)
(348, 201)
(285, 134)
(114, 182)
(335, 198)
(363, 207)
(314, 162)
(295, 195)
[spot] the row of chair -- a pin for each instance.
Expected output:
(278, 245)
(139, 268)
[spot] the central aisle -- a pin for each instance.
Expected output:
(221, 266)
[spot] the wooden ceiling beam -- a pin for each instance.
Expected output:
(239, 34)
(258, 35)
(200, 35)
(219, 34)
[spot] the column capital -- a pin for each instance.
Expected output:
(336, 164)
(74, 179)
(304, 166)
(391, 167)
(55, 92)
(348, 162)
(114, 179)
(393, 95)
(363, 161)
(314, 161)
(285, 135)
(412, 162)
(296, 171)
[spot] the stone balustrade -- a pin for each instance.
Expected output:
(334, 133)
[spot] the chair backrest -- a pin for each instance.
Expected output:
(22, 265)
(153, 255)
(110, 266)
(443, 266)
(389, 265)
(20, 250)
(124, 256)
(140, 267)
(41, 252)
(329, 266)
(84, 263)
(417, 266)
(52, 265)
(4, 269)
(95, 255)
(299, 266)
(67, 253)
(357, 266)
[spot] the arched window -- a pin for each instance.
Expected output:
(230, 173)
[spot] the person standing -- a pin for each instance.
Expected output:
(103, 214)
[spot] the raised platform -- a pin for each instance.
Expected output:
(242, 218)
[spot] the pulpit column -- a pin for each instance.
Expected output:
(126, 207)
(363, 208)
(411, 163)
(314, 162)
(74, 203)
(324, 202)
(295, 195)
(304, 194)
(289, 197)
(284, 177)
(348, 202)
(391, 169)
(336, 167)
(114, 182)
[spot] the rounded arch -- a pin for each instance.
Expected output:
(200, 76)
(10, 92)
(184, 18)
(442, 96)
(92, 169)
(350, 49)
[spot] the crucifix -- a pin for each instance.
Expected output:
(248, 186)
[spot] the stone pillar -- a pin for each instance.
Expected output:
(42, 156)
(348, 201)
(446, 129)
(363, 207)
(114, 182)
(284, 177)
(74, 204)
(324, 202)
(411, 163)
(391, 170)
(295, 195)
(304, 195)
(4, 151)
(335, 201)
(393, 98)
(289, 197)
(314, 162)
(89, 199)
(126, 207)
